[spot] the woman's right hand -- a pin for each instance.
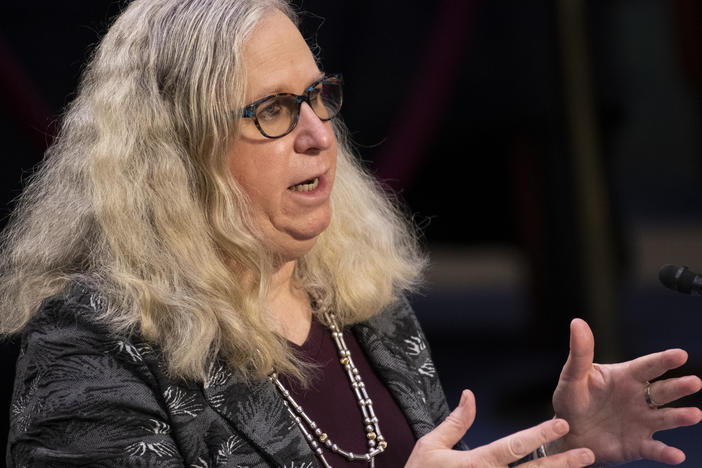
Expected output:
(435, 448)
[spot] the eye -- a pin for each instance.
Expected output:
(269, 110)
(315, 94)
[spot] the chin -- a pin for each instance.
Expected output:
(291, 241)
(298, 244)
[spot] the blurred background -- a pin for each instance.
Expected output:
(549, 151)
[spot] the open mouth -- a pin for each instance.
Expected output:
(306, 186)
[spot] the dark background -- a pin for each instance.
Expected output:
(549, 150)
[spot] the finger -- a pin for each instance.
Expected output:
(453, 428)
(575, 458)
(670, 418)
(654, 365)
(663, 392)
(513, 447)
(656, 450)
(582, 351)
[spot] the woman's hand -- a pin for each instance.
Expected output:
(435, 448)
(607, 406)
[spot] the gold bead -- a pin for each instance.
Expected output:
(323, 437)
(371, 435)
(344, 361)
(383, 444)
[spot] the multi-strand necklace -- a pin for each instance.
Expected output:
(315, 436)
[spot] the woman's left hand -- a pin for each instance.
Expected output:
(607, 405)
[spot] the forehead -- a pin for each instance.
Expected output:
(277, 57)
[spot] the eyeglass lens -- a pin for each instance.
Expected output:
(278, 115)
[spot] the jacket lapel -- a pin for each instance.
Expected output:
(258, 412)
(384, 338)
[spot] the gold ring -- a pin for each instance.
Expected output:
(647, 394)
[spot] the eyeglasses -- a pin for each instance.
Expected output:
(277, 115)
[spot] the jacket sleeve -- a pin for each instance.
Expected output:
(84, 397)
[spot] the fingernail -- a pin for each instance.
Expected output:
(561, 427)
(587, 457)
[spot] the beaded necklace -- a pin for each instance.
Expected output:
(318, 438)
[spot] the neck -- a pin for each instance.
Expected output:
(289, 305)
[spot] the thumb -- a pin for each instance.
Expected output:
(453, 428)
(582, 351)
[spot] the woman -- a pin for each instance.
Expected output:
(198, 247)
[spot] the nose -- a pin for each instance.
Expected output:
(311, 133)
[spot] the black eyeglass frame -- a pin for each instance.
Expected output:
(249, 111)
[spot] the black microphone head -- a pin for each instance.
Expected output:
(668, 275)
(678, 278)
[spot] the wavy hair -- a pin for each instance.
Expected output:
(135, 199)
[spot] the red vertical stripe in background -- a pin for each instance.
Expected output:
(420, 115)
(23, 101)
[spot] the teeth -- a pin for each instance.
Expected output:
(306, 186)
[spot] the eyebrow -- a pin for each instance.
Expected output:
(278, 89)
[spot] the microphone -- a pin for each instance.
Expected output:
(681, 279)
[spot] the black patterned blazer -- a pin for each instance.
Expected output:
(85, 396)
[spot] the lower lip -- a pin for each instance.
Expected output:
(313, 197)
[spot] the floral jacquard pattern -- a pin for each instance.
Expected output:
(86, 396)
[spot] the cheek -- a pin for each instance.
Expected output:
(257, 175)
(259, 187)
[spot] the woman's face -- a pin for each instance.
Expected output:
(271, 171)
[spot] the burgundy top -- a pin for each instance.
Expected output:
(331, 403)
